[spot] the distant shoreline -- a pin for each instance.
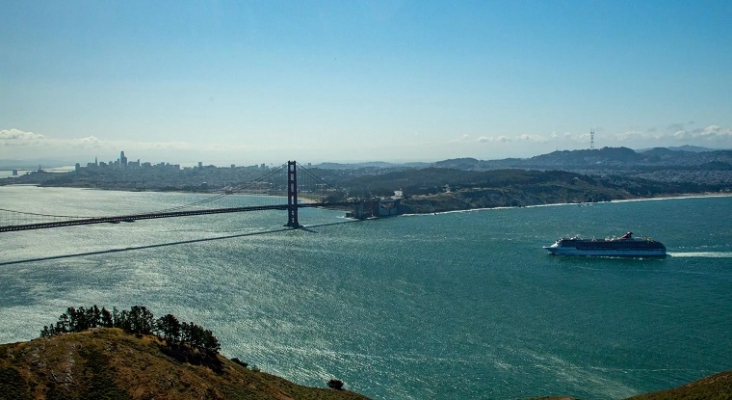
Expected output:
(306, 200)
(679, 197)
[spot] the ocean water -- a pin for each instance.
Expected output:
(462, 305)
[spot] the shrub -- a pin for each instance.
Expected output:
(335, 384)
(240, 362)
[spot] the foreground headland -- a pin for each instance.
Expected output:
(108, 363)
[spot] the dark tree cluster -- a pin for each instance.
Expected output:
(137, 320)
(336, 384)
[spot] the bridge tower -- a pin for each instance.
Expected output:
(292, 195)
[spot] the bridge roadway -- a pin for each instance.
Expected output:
(172, 214)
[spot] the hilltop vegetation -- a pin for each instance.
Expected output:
(139, 321)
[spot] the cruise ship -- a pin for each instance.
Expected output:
(624, 246)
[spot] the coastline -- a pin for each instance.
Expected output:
(308, 200)
(512, 198)
(584, 204)
(305, 199)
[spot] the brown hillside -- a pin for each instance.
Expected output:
(714, 387)
(110, 364)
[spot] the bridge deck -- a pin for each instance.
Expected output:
(172, 214)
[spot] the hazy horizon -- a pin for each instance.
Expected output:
(60, 163)
(392, 81)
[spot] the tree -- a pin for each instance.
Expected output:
(94, 316)
(137, 320)
(46, 332)
(62, 326)
(170, 327)
(106, 318)
(115, 318)
(140, 320)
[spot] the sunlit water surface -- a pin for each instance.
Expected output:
(462, 305)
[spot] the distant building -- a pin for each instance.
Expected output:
(122, 159)
(200, 164)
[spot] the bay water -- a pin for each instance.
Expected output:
(461, 305)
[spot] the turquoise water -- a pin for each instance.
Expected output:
(462, 305)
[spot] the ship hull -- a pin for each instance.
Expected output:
(604, 253)
(623, 247)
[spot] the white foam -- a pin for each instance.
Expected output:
(703, 254)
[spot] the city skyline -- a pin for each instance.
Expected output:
(361, 81)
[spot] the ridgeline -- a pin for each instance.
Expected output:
(577, 176)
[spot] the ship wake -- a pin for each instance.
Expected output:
(703, 254)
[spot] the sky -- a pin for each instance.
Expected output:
(247, 82)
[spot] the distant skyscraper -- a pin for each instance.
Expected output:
(122, 159)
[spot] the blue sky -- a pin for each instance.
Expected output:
(248, 82)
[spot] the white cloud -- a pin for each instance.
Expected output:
(16, 137)
(462, 139)
(90, 141)
(673, 134)
(710, 133)
(715, 131)
(18, 144)
(533, 138)
(494, 139)
(631, 135)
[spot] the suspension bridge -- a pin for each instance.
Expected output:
(277, 183)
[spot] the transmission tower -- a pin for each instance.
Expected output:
(592, 139)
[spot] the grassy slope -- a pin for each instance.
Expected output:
(714, 387)
(109, 364)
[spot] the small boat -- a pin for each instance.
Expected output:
(624, 246)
